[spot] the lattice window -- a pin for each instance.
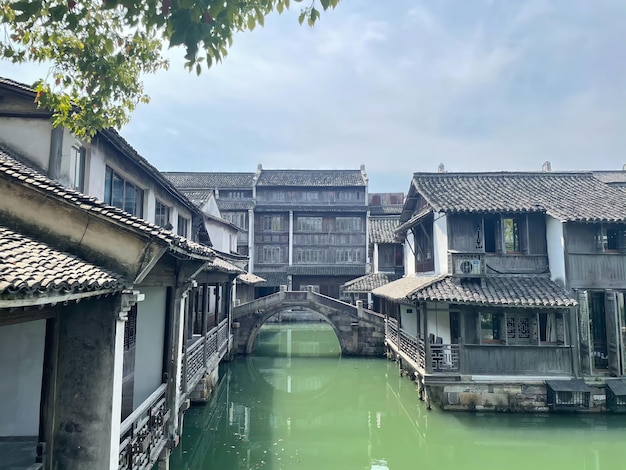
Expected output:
(130, 329)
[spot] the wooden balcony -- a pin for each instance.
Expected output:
(474, 359)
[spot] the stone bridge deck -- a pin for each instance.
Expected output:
(359, 331)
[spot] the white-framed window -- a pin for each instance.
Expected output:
(183, 226)
(161, 214)
(349, 255)
(271, 254)
(238, 219)
(273, 223)
(309, 224)
(78, 156)
(123, 194)
(348, 224)
(309, 256)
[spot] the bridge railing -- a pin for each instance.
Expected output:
(258, 304)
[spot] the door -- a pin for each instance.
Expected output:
(583, 324)
(613, 331)
(598, 329)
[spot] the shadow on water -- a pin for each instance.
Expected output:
(333, 413)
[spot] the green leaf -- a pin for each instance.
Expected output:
(251, 22)
(325, 4)
(108, 45)
(301, 17)
(280, 6)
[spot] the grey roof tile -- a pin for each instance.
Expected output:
(382, 230)
(272, 278)
(10, 168)
(565, 196)
(210, 180)
(312, 178)
(513, 291)
(357, 270)
(226, 205)
(29, 268)
(369, 282)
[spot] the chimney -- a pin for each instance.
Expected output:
(546, 167)
(441, 168)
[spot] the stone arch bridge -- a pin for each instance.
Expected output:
(360, 332)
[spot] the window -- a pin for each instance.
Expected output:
(77, 168)
(612, 237)
(348, 196)
(349, 255)
(511, 230)
(386, 256)
(183, 226)
(122, 194)
(310, 196)
(309, 256)
(348, 224)
(161, 214)
(309, 224)
(271, 254)
(273, 223)
(551, 328)
(239, 219)
(491, 331)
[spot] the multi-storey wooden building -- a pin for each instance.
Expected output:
(385, 253)
(301, 227)
(513, 277)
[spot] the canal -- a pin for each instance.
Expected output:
(296, 404)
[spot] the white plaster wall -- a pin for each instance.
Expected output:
(438, 320)
(409, 255)
(94, 178)
(30, 137)
(222, 235)
(21, 365)
(556, 249)
(408, 319)
(150, 338)
(440, 243)
(375, 257)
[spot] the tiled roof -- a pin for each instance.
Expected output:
(249, 278)
(385, 210)
(29, 268)
(357, 270)
(369, 282)
(228, 205)
(210, 180)
(198, 197)
(514, 291)
(382, 230)
(611, 177)
(399, 290)
(272, 278)
(13, 170)
(311, 178)
(220, 264)
(565, 196)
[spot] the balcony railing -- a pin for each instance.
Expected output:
(202, 352)
(437, 358)
(143, 433)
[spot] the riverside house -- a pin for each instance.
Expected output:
(115, 348)
(513, 292)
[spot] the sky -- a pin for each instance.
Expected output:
(399, 86)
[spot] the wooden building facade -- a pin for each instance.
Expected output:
(498, 286)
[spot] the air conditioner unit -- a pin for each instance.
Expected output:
(468, 267)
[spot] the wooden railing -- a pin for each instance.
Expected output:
(222, 336)
(444, 358)
(195, 362)
(143, 433)
(441, 358)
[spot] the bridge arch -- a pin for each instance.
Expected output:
(263, 318)
(359, 331)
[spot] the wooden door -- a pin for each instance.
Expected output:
(583, 325)
(612, 333)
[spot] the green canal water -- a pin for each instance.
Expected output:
(296, 404)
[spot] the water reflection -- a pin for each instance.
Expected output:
(359, 414)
